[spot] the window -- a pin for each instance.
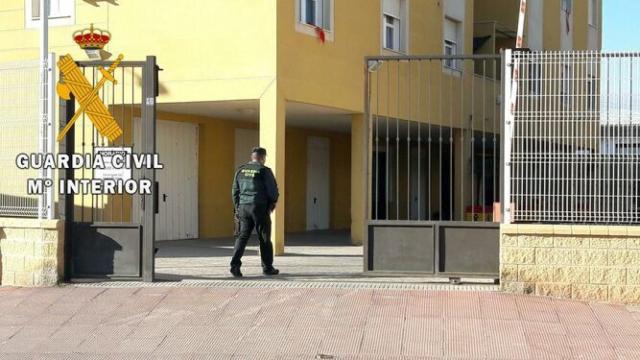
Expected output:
(454, 15)
(61, 12)
(593, 13)
(394, 25)
(316, 13)
(450, 49)
(451, 40)
(391, 33)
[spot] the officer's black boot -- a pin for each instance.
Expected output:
(235, 271)
(270, 271)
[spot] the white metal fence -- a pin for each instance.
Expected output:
(23, 129)
(572, 146)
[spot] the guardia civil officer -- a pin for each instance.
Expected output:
(255, 194)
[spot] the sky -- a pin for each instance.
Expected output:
(621, 28)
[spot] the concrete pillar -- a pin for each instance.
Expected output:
(272, 138)
(358, 179)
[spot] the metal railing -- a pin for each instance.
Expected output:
(23, 129)
(434, 135)
(573, 138)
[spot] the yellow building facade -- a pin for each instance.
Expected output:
(249, 72)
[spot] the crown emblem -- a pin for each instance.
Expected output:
(92, 38)
(92, 41)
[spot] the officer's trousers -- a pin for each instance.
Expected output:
(254, 216)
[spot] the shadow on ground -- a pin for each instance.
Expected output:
(318, 254)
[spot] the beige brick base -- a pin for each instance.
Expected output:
(600, 263)
(31, 251)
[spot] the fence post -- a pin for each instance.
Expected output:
(49, 132)
(45, 133)
(148, 126)
(507, 133)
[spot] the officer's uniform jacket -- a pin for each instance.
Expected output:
(254, 184)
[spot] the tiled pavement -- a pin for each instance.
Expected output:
(288, 323)
(317, 256)
(326, 254)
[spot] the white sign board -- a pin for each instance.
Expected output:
(110, 171)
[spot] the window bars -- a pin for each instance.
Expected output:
(433, 137)
(574, 138)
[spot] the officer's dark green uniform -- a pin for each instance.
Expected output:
(255, 194)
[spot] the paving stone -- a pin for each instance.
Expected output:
(548, 346)
(423, 336)
(341, 341)
(301, 323)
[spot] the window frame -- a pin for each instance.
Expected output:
(395, 26)
(401, 37)
(453, 45)
(593, 16)
(451, 64)
(55, 19)
(304, 27)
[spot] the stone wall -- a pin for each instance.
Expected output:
(32, 251)
(599, 263)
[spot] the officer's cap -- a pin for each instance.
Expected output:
(259, 151)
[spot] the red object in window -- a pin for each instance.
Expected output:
(320, 33)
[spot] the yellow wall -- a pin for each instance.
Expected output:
(296, 178)
(216, 170)
(581, 21)
(504, 12)
(218, 50)
(332, 73)
(552, 25)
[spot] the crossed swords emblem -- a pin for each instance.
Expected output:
(76, 83)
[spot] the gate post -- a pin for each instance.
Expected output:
(507, 133)
(67, 205)
(149, 93)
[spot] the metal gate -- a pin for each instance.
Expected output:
(433, 164)
(111, 235)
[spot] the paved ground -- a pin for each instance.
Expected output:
(322, 307)
(250, 323)
(321, 256)
(324, 254)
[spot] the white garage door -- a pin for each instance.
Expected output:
(177, 146)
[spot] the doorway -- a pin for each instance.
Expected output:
(177, 147)
(318, 161)
(177, 217)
